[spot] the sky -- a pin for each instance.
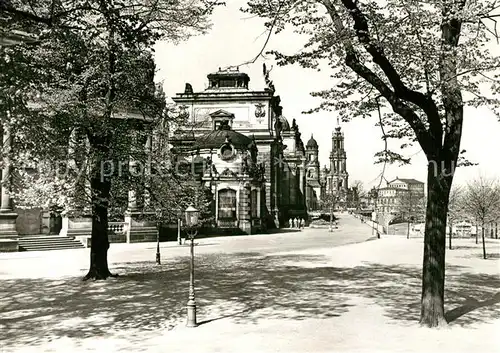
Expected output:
(236, 38)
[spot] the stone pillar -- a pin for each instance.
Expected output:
(292, 184)
(216, 193)
(301, 181)
(258, 203)
(243, 213)
(8, 230)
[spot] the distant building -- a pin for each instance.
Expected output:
(314, 187)
(400, 196)
(336, 178)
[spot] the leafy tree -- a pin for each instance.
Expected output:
(92, 68)
(481, 201)
(424, 60)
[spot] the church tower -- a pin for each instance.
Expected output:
(313, 190)
(312, 163)
(338, 178)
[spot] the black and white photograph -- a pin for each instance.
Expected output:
(251, 176)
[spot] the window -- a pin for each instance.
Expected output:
(198, 167)
(227, 204)
(219, 123)
(253, 203)
(226, 152)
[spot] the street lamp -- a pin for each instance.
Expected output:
(191, 231)
(158, 225)
(179, 225)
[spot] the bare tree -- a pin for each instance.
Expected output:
(411, 207)
(455, 209)
(481, 201)
(357, 192)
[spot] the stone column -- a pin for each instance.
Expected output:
(8, 230)
(5, 205)
(292, 184)
(301, 180)
(244, 208)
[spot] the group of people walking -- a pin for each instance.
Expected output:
(297, 223)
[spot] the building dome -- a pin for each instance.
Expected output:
(312, 143)
(217, 138)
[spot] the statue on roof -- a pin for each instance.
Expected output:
(268, 80)
(188, 89)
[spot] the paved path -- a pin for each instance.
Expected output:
(69, 262)
(253, 296)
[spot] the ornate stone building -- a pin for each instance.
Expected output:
(337, 177)
(257, 160)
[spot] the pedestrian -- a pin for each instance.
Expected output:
(296, 222)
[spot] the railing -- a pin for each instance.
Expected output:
(117, 227)
(227, 223)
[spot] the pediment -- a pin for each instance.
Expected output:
(221, 114)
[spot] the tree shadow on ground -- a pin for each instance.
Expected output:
(242, 287)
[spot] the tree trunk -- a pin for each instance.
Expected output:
(100, 188)
(477, 234)
(432, 309)
(484, 243)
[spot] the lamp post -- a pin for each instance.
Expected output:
(158, 225)
(179, 224)
(191, 231)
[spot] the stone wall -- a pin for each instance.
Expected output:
(29, 221)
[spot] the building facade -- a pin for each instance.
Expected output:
(401, 198)
(314, 184)
(265, 184)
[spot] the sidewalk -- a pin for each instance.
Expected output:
(355, 298)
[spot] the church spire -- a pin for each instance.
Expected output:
(337, 128)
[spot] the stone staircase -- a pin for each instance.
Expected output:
(48, 242)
